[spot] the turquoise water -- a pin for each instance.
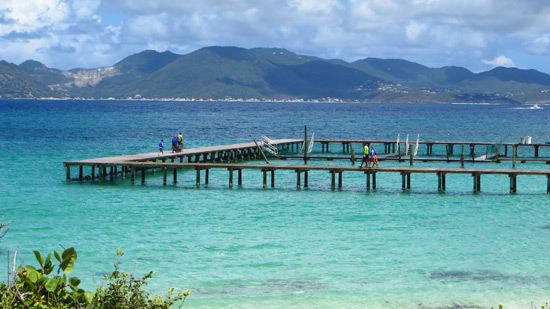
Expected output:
(281, 247)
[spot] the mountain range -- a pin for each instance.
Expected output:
(232, 73)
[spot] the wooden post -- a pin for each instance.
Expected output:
(206, 175)
(133, 176)
(374, 181)
(305, 145)
(548, 183)
(513, 186)
(143, 175)
(175, 175)
(333, 180)
(411, 155)
(298, 181)
(536, 151)
(164, 172)
(477, 182)
(408, 181)
(230, 177)
(198, 177)
(68, 173)
(403, 181)
(265, 178)
(473, 151)
(124, 171)
(93, 172)
(272, 178)
(515, 150)
(80, 172)
(339, 180)
(352, 155)
(399, 151)
(439, 186)
(305, 179)
(368, 180)
(240, 177)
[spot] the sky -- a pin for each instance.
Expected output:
(475, 34)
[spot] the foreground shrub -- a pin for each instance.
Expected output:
(41, 287)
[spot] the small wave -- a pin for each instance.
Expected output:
(529, 107)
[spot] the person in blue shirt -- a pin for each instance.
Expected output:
(175, 144)
(161, 147)
(373, 157)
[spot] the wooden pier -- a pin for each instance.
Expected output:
(203, 159)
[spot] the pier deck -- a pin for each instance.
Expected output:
(226, 156)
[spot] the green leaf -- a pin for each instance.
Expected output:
(48, 258)
(39, 258)
(69, 258)
(57, 256)
(51, 285)
(33, 275)
(73, 283)
(88, 296)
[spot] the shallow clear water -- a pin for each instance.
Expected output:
(281, 247)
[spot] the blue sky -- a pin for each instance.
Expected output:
(475, 34)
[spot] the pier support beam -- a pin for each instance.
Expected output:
(133, 176)
(175, 175)
(198, 177)
(230, 177)
(405, 181)
(298, 180)
(68, 173)
(441, 182)
(164, 175)
(477, 182)
(513, 183)
(240, 177)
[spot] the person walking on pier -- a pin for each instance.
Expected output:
(373, 157)
(161, 147)
(365, 156)
(180, 142)
(175, 144)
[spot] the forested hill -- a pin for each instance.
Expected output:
(273, 74)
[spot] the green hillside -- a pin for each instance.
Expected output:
(275, 74)
(15, 83)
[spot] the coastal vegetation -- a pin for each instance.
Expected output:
(272, 74)
(48, 286)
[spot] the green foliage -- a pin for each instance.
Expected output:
(41, 287)
(32, 287)
(123, 290)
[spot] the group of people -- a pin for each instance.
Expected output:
(177, 144)
(369, 157)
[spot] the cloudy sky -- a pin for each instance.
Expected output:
(475, 34)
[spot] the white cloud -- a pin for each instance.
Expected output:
(92, 33)
(414, 29)
(500, 61)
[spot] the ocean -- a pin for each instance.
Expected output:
(249, 247)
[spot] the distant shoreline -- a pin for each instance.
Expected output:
(265, 101)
